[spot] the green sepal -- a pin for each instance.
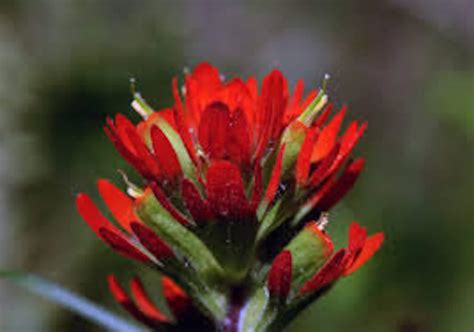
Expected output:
(293, 138)
(211, 301)
(198, 272)
(310, 249)
(191, 250)
(140, 104)
(278, 213)
(233, 243)
(253, 314)
(179, 148)
(269, 221)
(310, 112)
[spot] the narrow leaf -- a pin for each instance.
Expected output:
(72, 301)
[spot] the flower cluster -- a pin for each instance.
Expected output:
(237, 181)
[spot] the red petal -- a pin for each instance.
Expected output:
(343, 184)
(139, 155)
(123, 125)
(293, 109)
(371, 246)
(181, 122)
(322, 170)
(107, 231)
(165, 154)
(161, 197)
(144, 302)
(122, 245)
(124, 300)
(275, 177)
(328, 137)
(357, 236)
(225, 191)
(280, 275)
(118, 203)
(150, 166)
(150, 240)
(207, 76)
(238, 139)
(178, 301)
(314, 200)
(303, 162)
(328, 273)
(201, 85)
(271, 109)
(213, 130)
(117, 291)
(236, 95)
(91, 214)
(127, 154)
(347, 143)
(197, 206)
(257, 187)
(252, 85)
(324, 115)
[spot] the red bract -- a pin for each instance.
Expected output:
(346, 261)
(177, 300)
(233, 177)
(279, 277)
(141, 308)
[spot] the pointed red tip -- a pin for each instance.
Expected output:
(178, 301)
(116, 289)
(328, 273)
(126, 302)
(144, 302)
(343, 184)
(275, 177)
(152, 242)
(197, 206)
(164, 201)
(90, 213)
(165, 154)
(357, 236)
(226, 192)
(328, 136)
(122, 245)
(280, 275)
(371, 245)
(118, 203)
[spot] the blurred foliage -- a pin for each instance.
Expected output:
(66, 65)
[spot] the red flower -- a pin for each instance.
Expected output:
(229, 170)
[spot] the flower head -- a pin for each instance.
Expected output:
(233, 178)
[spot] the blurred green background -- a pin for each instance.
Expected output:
(406, 66)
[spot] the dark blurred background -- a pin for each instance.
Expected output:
(405, 65)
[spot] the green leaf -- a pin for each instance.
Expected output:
(74, 302)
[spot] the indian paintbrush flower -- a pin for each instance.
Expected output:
(236, 185)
